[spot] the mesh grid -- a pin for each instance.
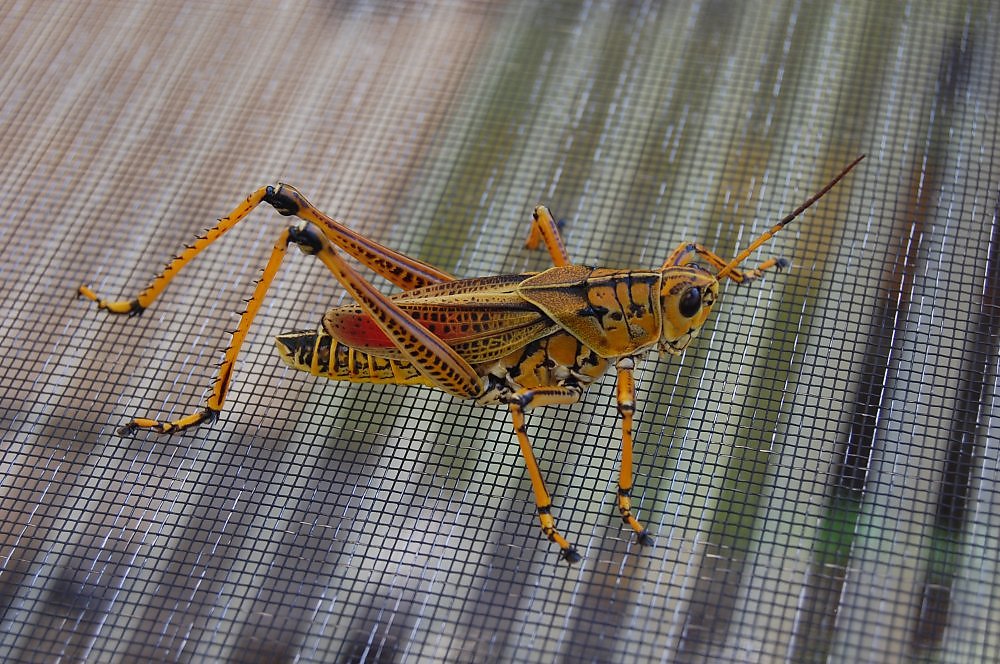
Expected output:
(818, 469)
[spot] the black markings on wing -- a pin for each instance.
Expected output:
(483, 319)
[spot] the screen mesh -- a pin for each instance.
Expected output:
(819, 469)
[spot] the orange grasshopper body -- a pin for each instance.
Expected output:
(521, 340)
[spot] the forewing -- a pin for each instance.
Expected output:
(482, 319)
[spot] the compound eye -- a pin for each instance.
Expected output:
(690, 303)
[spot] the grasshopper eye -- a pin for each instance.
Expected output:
(690, 303)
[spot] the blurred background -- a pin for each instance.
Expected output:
(819, 469)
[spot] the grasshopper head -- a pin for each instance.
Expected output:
(688, 291)
(686, 297)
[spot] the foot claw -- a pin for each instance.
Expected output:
(570, 555)
(127, 430)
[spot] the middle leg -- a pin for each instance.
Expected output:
(518, 403)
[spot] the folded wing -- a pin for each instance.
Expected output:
(483, 319)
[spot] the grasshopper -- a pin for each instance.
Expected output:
(520, 340)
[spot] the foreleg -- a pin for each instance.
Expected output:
(545, 229)
(691, 251)
(626, 408)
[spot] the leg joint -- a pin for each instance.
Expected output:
(309, 239)
(283, 198)
(520, 399)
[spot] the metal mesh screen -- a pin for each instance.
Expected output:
(819, 470)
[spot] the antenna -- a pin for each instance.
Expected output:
(781, 224)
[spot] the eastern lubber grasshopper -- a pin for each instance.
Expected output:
(523, 340)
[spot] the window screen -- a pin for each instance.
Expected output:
(818, 470)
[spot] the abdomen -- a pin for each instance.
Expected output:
(318, 353)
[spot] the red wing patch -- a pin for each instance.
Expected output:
(354, 328)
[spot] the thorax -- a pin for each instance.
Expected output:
(559, 359)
